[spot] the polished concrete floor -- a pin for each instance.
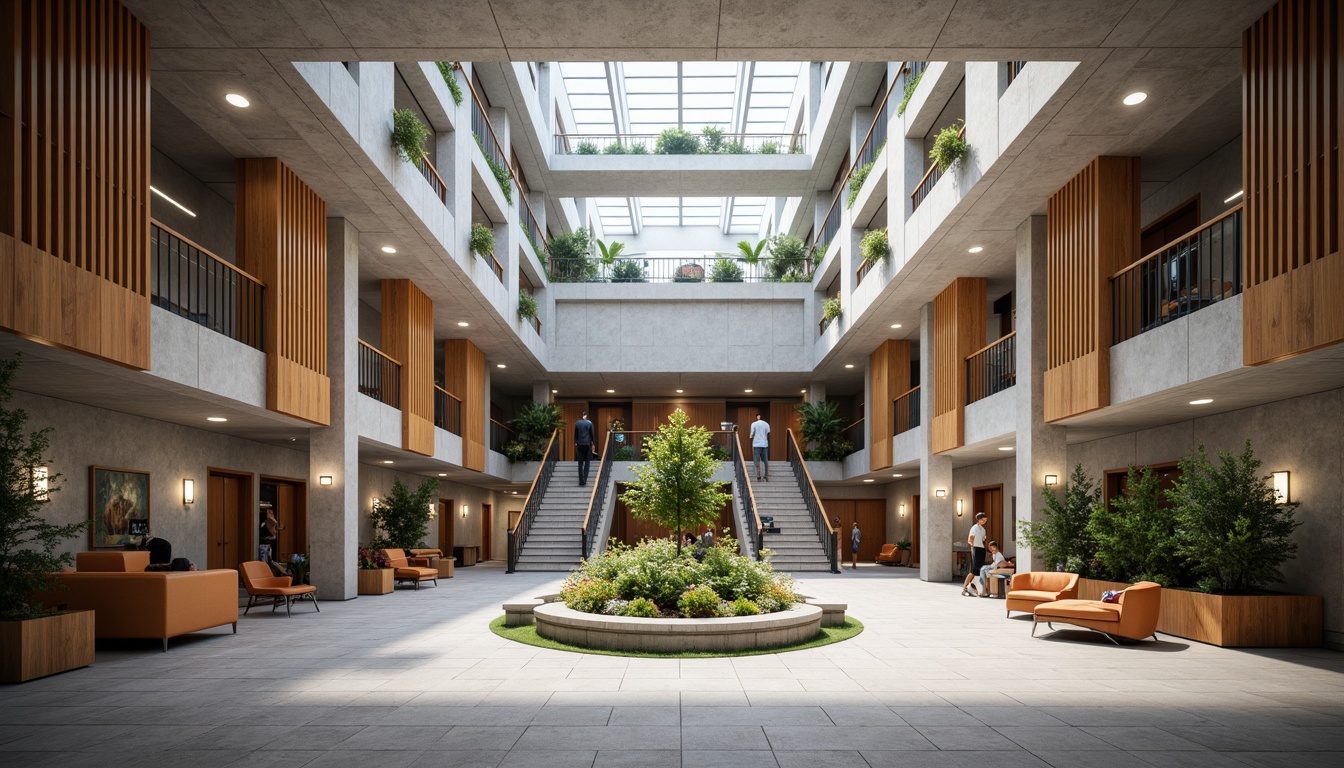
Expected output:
(416, 679)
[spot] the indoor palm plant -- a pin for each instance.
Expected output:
(823, 430)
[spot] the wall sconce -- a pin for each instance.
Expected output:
(902, 510)
(959, 508)
(377, 502)
(940, 493)
(324, 480)
(433, 510)
(188, 491)
(42, 483)
(1280, 480)
(1051, 481)
(464, 511)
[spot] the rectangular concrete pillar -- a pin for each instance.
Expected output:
(935, 473)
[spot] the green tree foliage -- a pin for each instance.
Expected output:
(570, 259)
(1060, 536)
(713, 140)
(482, 241)
(403, 515)
(28, 541)
(674, 487)
(751, 253)
(610, 252)
(874, 245)
(527, 305)
(949, 146)
(1232, 529)
(409, 136)
(788, 257)
(1135, 536)
(534, 423)
(676, 141)
(823, 431)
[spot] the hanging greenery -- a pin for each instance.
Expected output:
(497, 170)
(409, 136)
(830, 308)
(874, 245)
(446, 69)
(911, 83)
(482, 240)
(949, 146)
(527, 305)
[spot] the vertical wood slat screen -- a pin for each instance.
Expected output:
(1292, 119)
(408, 336)
(74, 176)
(571, 412)
(959, 317)
(888, 376)
(281, 228)
(1092, 232)
(783, 416)
(464, 377)
(648, 417)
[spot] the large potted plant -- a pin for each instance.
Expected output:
(35, 640)
(1059, 537)
(375, 575)
(788, 258)
(403, 515)
(823, 431)
(534, 424)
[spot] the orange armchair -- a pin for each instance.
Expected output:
(1030, 589)
(412, 569)
(1134, 617)
(261, 585)
(889, 555)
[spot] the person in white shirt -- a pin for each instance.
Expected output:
(976, 538)
(997, 560)
(760, 444)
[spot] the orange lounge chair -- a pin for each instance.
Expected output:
(260, 585)
(889, 555)
(1133, 617)
(412, 569)
(1030, 589)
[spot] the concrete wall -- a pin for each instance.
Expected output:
(376, 482)
(212, 228)
(1300, 435)
(1197, 346)
(898, 493)
(1214, 179)
(966, 479)
(188, 353)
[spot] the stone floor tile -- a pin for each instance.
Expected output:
(853, 716)
(1142, 738)
(383, 758)
(1037, 739)
(642, 758)
(698, 716)
(473, 737)
(729, 759)
(834, 758)
(550, 758)
(1093, 759)
(459, 759)
(945, 715)
(543, 737)
(961, 737)
(1012, 716)
(646, 716)
(722, 737)
(572, 716)
(784, 737)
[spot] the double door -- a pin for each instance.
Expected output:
(870, 514)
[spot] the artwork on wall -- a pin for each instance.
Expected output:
(118, 505)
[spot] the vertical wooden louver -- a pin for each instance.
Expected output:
(958, 330)
(464, 377)
(408, 336)
(1292, 118)
(282, 239)
(1092, 232)
(888, 376)
(74, 177)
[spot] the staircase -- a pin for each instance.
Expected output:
(555, 542)
(798, 546)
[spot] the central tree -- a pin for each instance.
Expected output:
(674, 488)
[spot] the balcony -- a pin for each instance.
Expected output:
(447, 411)
(435, 180)
(992, 369)
(500, 436)
(379, 376)
(647, 144)
(905, 411)
(925, 186)
(193, 283)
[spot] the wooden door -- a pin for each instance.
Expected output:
(228, 500)
(783, 416)
(914, 530)
(446, 518)
(570, 412)
(486, 529)
(870, 514)
(290, 500)
(989, 500)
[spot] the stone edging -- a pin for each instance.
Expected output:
(797, 624)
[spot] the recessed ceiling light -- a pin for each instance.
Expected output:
(1005, 447)
(611, 391)
(746, 390)
(515, 493)
(898, 474)
(1239, 193)
(443, 474)
(868, 480)
(215, 418)
(180, 206)
(679, 391)
(1202, 401)
(462, 324)
(975, 249)
(849, 365)
(555, 391)
(389, 249)
(237, 100)
(804, 391)
(895, 325)
(1137, 97)
(387, 461)
(500, 365)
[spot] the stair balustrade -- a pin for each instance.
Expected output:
(598, 500)
(811, 499)
(518, 533)
(747, 498)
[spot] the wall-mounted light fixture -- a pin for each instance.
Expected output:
(940, 493)
(377, 502)
(1051, 481)
(324, 480)
(188, 491)
(959, 508)
(1280, 480)
(42, 483)
(902, 510)
(433, 510)
(464, 511)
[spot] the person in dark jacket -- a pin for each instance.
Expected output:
(583, 446)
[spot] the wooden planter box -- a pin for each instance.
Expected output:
(375, 581)
(35, 648)
(1231, 621)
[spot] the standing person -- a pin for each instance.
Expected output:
(760, 445)
(835, 526)
(855, 536)
(583, 446)
(268, 530)
(976, 538)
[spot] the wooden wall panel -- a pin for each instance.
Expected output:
(870, 514)
(959, 316)
(783, 416)
(572, 412)
(464, 377)
(1292, 120)
(408, 336)
(648, 417)
(888, 376)
(628, 529)
(282, 239)
(74, 177)
(1092, 232)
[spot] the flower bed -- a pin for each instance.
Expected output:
(796, 624)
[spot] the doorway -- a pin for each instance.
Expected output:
(446, 527)
(486, 530)
(228, 502)
(289, 498)
(870, 514)
(914, 530)
(989, 500)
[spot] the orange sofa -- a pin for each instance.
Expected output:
(128, 602)
(1133, 617)
(1030, 589)
(412, 569)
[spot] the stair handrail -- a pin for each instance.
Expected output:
(811, 499)
(518, 533)
(598, 499)
(747, 496)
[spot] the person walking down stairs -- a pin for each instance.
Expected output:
(760, 446)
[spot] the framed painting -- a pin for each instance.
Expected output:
(118, 505)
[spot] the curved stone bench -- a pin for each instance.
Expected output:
(797, 624)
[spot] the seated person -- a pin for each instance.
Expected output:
(980, 586)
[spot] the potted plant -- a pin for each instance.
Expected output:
(676, 141)
(626, 271)
(823, 431)
(403, 515)
(1060, 536)
(874, 245)
(535, 422)
(689, 273)
(482, 241)
(409, 136)
(830, 308)
(527, 306)
(585, 148)
(788, 258)
(725, 271)
(375, 576)
(35, 640)
(298, 568)
(903, 548)
(949, 147)
(615, 148)
(569, 260)
(610, 252)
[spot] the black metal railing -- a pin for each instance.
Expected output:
(500, 436)
(647, 143)
(854, 434)
(1014, 69)
(811, 500)
(435, 180)
(447, 411)
(518, 533)
(379, 376)
(598, 500)
(1201, 268)
(930, 180)
(639, 268)
(191, 282)
(992, 369)
(905, 411)
(746, 498)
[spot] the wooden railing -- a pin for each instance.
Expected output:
(435, 180)
(865, 267)
(597, 500)
(194, 283)
(518, 533)
(930, 180)
(379, 375)
(811, 500)
(1197, 269)
(992, 368)
(495, 266)
(647, 143)
(747, 500)
(447, 411)
(905, 411)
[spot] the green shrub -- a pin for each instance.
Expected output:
(712, 140)
(534, 423)
(642, 608)
(823, 431)
(482, 240)
(732, 576)
(624, 453)
(735, 147)
(585, 148)
(569, 260)
(856, 182)
(796, 147)
(699, 602)
(744, 607)
(874, 245)
(527, 305)
(587, 594)
(676, 141)
(638, 149)
(725, 271)
(1136, 537)
(949, 146)
(911, 83)
(788, 257)
(769, 148)
(830, 308)
(409, 136)
(446, 69)
(499, 171)
(1060, 535)
(614, 148)
(627, 271)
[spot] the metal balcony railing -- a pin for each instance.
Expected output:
(905, 411)
(191, 282)
(647, 143)
(435, 180)
(447, 411)
(379, 376)
(991, 369)
(930, 180)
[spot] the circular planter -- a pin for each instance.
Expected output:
(626, 633)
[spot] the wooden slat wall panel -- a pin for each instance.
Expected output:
(648, 417)
(888, 376)
(408, 336)
(1292, 119)
(74, 177)
(959, 316)
(572, 412)
(1092, 232)
(464, 377)
(282, 239)
(783, 416)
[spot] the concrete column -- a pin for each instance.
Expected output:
(333, 510)
(1041, 448)
(935, 473)
(816, 392)
(541, 392)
